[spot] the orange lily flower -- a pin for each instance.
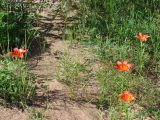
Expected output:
(123, 66)
(18, 52)
(126, 97)
(142, 37)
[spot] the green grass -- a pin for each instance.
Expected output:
(16, 30)
(109, 28)
(16, 88)
(16, 24)
(73, 74)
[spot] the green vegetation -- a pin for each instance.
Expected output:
(123, 39)
(16, 87)
(16, 30)
(72, 73)
(109, 28)
(16, 23)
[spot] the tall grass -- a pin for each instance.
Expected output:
(16, 30)
(118, 22)
(16, 23)
(109, 27)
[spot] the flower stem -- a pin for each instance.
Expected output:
(141, 57)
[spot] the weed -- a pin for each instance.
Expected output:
(73, 74)
(15, 86)
(36, 115)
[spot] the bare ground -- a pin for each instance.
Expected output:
(53, 100)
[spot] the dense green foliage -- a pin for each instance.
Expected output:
(118, 21)
(109, 28)
(16, 22)
(16, 30)
(15, 86)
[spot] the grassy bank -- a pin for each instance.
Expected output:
(113, 30)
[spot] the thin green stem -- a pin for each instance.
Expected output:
(141, 57)
(8, 38)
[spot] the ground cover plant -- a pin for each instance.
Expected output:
(16, 87)
(125, 33)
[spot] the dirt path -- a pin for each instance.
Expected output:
(59, 106)
(52, 100)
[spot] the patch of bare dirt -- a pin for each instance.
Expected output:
(12, 114)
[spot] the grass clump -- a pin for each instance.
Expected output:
(16, 23)
(16, 88)
(73, 74)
